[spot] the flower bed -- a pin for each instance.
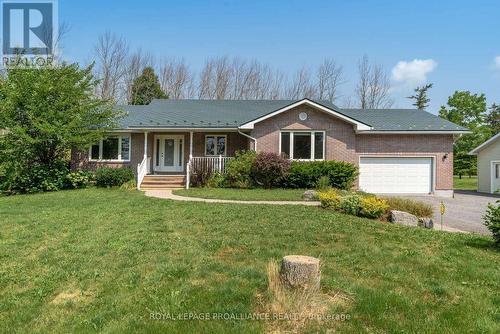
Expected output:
(366, 205)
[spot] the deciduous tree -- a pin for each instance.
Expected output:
(468, 110)
(46, 113)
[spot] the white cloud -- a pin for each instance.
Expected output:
(411, 73)
(497, 62)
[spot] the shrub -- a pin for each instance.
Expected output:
(200, 175)
(372, 207)
(23, 179)
(351, 205)
(238, 170)
(216, 180)
(306, 174)
(323, 183)
(77, 180)
(269, 169)
(417, 208)
(129, 185)
(492, 220)
(113, 177)
(330, 199)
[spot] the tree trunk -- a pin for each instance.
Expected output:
(299, 271)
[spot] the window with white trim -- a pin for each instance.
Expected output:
(113, 148)
(303, 145)
(215, 145)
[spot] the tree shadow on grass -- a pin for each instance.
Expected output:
(482, 243)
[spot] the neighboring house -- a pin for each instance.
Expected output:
(488, 165)
(397, 150)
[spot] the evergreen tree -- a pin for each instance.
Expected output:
(493, 119)
(146, 87)
(420, 97)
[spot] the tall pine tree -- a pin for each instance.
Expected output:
(146, 87)
(420, 97)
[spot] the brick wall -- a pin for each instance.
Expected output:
(80, 159)
(436, 146)
(235, 141)
(340, 137)
(343, 144)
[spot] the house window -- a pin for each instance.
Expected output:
(497, 171)
(215, 145)
(285, 144)
(115, 148)
(303, 145)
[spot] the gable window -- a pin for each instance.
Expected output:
(114, 148)
(303, 145)
(215, 145)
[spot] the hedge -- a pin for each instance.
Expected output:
(306, 174)
(113, 177)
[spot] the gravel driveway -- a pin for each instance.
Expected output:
(464, 212)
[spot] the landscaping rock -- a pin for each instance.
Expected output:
(403, 218)
(426, 222)
(310, 195)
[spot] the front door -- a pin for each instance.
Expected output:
(169, 153)
(495, 177)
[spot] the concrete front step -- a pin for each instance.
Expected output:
(164, 177)
(158, 182)
(161, 187)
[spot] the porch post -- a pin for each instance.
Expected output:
(146, 149)
(190, 145)
(188, 166)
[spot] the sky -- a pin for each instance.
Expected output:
(453, 44)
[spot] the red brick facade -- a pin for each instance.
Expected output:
(235, 141)
(343, 144)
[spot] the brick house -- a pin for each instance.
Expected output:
(396, 150)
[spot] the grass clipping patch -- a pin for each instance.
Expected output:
(292, 310)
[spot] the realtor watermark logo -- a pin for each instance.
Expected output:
(29, 32)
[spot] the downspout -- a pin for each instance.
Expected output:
(249, 137)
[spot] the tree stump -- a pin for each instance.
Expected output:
(298, 271)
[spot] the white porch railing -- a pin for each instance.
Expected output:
(142, 170)
(214, 164)
(206, 164)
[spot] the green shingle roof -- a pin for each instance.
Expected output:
(234, 113)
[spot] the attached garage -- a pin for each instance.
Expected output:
(390, 175)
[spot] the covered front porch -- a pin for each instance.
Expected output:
(173, 155)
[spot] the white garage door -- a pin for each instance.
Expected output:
(396, 175)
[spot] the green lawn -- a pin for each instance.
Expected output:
(465, 183)
(103, 260)
(244, 194)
